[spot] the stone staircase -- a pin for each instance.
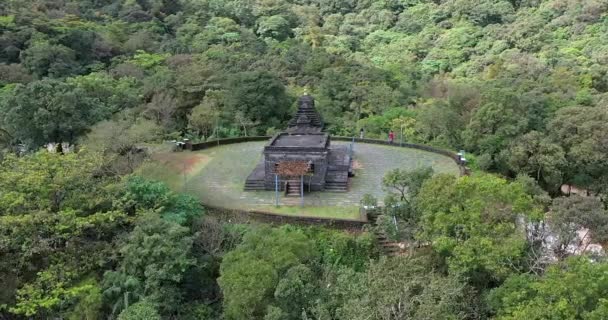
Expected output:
(387, 247)
(293, 188)
(336, 181)
(254, 185)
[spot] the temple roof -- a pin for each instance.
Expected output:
(306, 119)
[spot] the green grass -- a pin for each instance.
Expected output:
(350, 213)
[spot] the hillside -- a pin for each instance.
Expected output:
(520, 85)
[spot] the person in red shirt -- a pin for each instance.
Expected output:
(391, 137)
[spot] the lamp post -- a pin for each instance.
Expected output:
(401, 143)
(276, 189)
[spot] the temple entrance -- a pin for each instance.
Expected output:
(293, 188)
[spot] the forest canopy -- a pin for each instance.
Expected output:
(520, 85)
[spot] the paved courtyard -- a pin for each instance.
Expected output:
(219, 179)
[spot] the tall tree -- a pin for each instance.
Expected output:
(475, 223)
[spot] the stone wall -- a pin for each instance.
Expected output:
(271, 218)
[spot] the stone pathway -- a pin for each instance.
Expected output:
(220, 182)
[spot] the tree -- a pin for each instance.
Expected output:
(204, 117)
(275, 27)
(573, 289)
(583, 134)
(404, 288)
(295, 291)
(250, 274)
(162, 108)
(143, 310)
(55, 111)
(502, 117)
(45, 59)
(52, 209)
(474, 222)
(537, 156)
(406, 183)
(156, 254)
(569, 216)
(120, 143)
(259, 97)
(143, 195)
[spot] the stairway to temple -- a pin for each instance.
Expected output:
(293, 188)
(336, 181)
(388, 247)
(254, 185)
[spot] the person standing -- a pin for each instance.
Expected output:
(361, 133)
(391, 137)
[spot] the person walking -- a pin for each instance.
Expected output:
(391, 137)
(361, 133)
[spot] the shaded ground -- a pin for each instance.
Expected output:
(217, 176)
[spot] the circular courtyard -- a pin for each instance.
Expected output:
(217, 176)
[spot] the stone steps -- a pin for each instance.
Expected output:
(254, 185)
(387, 246)
(293, 188)
(336, 186)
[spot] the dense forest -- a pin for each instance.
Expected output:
(520, 85)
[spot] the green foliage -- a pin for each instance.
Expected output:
(570, 290)
(473, 222)
(538, 157)
(577, 130)
(405, 289)
(250, 274)
(153, 260)
(144, 195)
(340, 249)
(148, 60)
(568, 215)
(45, 59)
(520, 85)
(257, 96)
(142, 310)
(406, 184)
(54, 111)
(369, 201)
(54, 207)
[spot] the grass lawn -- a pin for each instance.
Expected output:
(349, 213)
(217, 176)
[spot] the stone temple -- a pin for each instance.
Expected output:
(302, 157)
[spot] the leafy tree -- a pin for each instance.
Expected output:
(142, 310)
(156, 254)
(258, 96)
(538, 157)
(403, 288)
(52, 209)
(573, 289)
(142, 195)
(54, 111)
(581, 132)
(46, 59)
(406, 183)
(275, 27)
(501, 118)
(473, 222)
(569, 216)
(250, 274)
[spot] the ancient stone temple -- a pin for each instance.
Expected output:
(302, 158)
